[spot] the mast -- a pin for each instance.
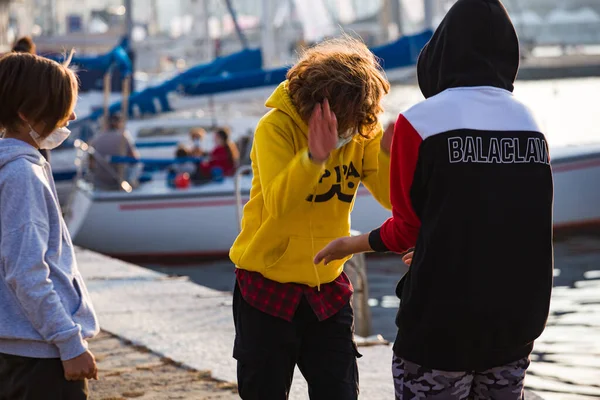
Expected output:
(153, 25)
(429, 8)
(267, 33)
(128, 19)
(201, 32)
(238, 30)
(396, 10)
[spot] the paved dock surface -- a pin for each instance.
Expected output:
(127, 371)
(191, 323)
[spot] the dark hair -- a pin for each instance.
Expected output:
(232, 151)
(24, 45)
(115, 121)
(181, 152)
(39, 89)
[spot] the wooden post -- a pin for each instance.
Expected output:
(107, 90)
(125, 102)
(125, 116)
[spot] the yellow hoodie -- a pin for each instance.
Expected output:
(296, 206)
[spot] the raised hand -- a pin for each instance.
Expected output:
(81, 367)
(386, 140)
(322, 132)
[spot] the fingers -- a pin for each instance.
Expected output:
(92, 373)
(319, 257)
(316, 116)
(407, 258)
(326, 110)
(325, 256)
(314, 123)
(330, 117)
(74, 376)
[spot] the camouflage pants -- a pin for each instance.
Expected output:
(411, 381)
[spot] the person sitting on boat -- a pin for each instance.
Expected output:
(321, 139)
(197, 136)
(116, 141)
(225, 156)
(183, 152)
(472, 192)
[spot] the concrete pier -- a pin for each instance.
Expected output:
(192, 324)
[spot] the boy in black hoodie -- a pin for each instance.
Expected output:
(471, 189)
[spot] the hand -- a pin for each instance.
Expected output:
(81, 367)
(408, 257)
(322, 132)
(336, 250)
(386, 140)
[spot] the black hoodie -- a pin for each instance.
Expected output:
(471, 189)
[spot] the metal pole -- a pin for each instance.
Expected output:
(384, 21)
(153, 26)
(267, 33)
(396, 9)
(128, 19)
(52, 26)
(200, 11)
(238, 30)
(356, 269)
(429, 9)
(107, 89)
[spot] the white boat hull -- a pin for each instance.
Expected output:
(161, 224)
(576, 188)
(176, 225)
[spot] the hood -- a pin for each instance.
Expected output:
(475, 45)
(11, 149)
(281, 100)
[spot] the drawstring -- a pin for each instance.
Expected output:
(312, 239)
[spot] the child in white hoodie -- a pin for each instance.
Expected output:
(45, 313)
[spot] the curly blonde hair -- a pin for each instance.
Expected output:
(346, 72)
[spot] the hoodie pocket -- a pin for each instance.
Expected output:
(296, 263)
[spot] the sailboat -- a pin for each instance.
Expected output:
(236, 78)
(157, 223)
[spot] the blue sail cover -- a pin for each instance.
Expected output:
(91, 69)
(242, 70)
(153, 100)
(404, 52)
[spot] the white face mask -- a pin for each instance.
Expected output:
(197, 142)
(51, 141)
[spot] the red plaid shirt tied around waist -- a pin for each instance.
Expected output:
(281, 299)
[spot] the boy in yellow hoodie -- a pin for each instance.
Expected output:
(321, 139)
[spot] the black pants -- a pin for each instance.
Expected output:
(268, 348)
(23, 378)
